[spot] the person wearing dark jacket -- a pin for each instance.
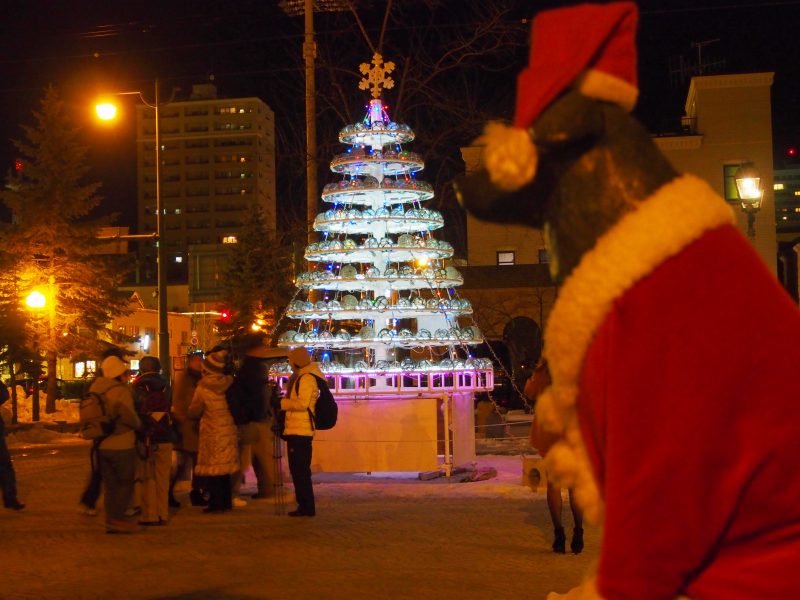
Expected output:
(256, 438)
(154, 447)
(8, 479)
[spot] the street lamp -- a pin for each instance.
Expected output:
(748, 185)
(107, 111)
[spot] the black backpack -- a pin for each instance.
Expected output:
(236, 396)
(327, 411)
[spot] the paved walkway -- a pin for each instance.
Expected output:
(372, 538)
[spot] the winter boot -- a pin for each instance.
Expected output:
(560, 542)
(197, 498)
(576, 545)
(173, 502)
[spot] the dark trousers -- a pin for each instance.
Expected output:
(118, 470)
(92, 491)
(8, 480)
(219, 492)
(299, 448)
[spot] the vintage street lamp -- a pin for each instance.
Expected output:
(107, 111)
(748, 185)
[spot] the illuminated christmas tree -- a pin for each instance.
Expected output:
(382, 286)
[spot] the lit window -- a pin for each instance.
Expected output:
(229, 239)
(178, 259)
(777, 186)
(85, 369)
(797, 193)
(505, 257)
(177, 211)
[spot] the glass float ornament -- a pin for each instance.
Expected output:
(348, 272)
(349, 302)
(366, 333)
(405, 241)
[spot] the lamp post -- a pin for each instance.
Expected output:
(36, 301)
(748, 186)
(307, 9)
(107, 111)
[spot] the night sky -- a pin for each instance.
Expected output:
(253, 49)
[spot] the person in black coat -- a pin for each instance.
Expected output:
(253, 398)
(8, 479)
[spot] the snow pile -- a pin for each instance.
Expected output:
(39, 435)
(66, 411)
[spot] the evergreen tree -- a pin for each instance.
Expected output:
(258, 278)
(54, 245)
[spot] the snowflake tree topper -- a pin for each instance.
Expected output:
(376, 75)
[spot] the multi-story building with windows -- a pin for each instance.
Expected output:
(217, 164)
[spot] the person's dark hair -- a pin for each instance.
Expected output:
(149, 364)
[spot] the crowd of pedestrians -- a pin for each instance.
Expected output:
(216, 421)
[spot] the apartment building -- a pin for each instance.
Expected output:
(217, 164)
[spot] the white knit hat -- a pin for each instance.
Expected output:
(112, 367)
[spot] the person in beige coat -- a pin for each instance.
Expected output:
(218, 450)
(300, 402)
(188, 431)
(117, 452)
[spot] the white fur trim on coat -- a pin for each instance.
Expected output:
(676, 215)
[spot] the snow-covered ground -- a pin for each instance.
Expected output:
(66, 411)
(375, 536)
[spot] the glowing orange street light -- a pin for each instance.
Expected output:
(106, 111)
(36, 300)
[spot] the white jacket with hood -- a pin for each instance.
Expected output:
(299, 398)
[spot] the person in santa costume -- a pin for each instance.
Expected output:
(672, 348)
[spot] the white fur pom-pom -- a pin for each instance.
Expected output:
(509, 157)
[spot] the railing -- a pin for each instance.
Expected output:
(403, 384)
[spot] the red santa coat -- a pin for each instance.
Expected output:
(673, 352)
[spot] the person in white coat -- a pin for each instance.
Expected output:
(218, 451)
(300, 402)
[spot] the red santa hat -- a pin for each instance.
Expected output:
(589, 47)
